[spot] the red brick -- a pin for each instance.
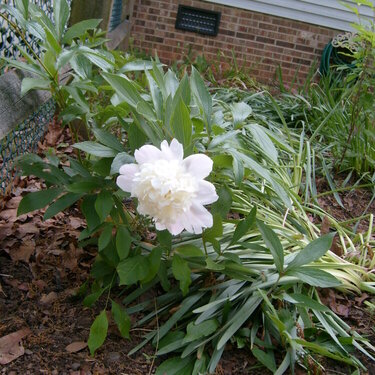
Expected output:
(260, 42)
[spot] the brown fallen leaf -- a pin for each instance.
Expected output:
(75, 347)
(49, 298)
(10, 346)
(24, 252)
(14, 202)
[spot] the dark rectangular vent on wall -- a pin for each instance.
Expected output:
(198, 20)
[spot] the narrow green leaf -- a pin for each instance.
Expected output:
(197, 331)
(266, 359)
(108, 139)
(313, 251)
(96, 149)
(98, 332)
(61, 204)
(122, 319)
(181, 124)
(37, 200)
(305, 301)
(79, 29)
(264, 141)
(93, 297)
(181, 272)
(103, 204)
(314, 277)
(123, 242)
(244, 226)
(34, 84)
(90, 214)
(105, 237)
(61, 12)
(273, 243)
(85, 185)
(202, 97)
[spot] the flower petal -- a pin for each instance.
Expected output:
(147, 154)
(198, 165)
(159, 226)
(199, 218)
(174, 151)
(206, 193)
(125, 180)
(175, 228)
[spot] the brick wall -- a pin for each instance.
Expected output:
(259, 41)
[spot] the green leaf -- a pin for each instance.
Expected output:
(181, 124)
(197, 331)
(128, 93)
(34, 84)
(215, 231)
(122, 319)
(108, 139)
(189, 251)
(119, 160)
(181, 272)
(91, 216)
(123, 242)
(103, 204)
(98, 332)
(37, 200)
(313, 251)
(240, 112)
(79, 29)
(96, 149)
(202, 96)
(61, 204)
(93, 297)
(176, 366)
(105, 237)
(305, 301)
(244, 226)
(85, 185)
(34, 69)
(211, 265)
(273, 243)
(154, 264)
(314, 277)
(23, 7)
(61, 12)
(264, 141)
(223, 205)
(238, 319)
(165, 239)
(266, 359)
(131, 270)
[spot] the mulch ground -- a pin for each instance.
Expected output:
(42, 267)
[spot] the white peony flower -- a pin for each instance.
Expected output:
(169, 188)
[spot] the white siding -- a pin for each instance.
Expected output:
(329, 13)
